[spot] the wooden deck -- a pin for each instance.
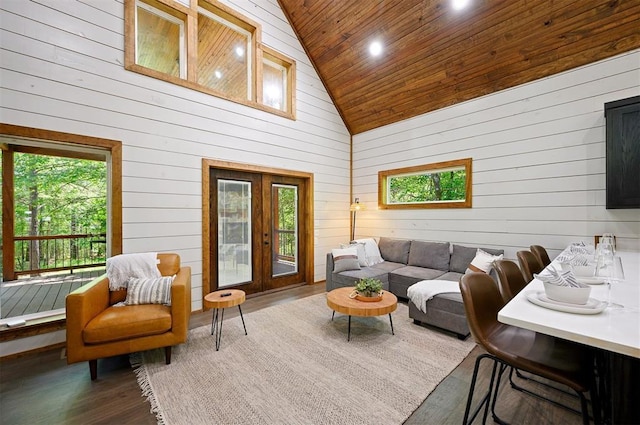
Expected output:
(41, 293)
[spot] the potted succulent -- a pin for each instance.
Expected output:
(368, 289)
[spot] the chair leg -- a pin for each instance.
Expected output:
(497, 419)
(93, 369)
(167, 354)
(486, 399)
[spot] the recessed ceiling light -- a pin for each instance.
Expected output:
(240, 51)
(460, 4)
(375, 48)
(218, 74)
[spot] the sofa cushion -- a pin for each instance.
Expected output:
(126, 322)
(349, 278)
(462, 256)
(431, 255)
(453, 276)
(400, 279)
(395, 250)
(345, 259)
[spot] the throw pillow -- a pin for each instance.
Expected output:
(121, 268)
(483, 262)
(345, 259)
(149, 291)
(372, 251)
(362, 253)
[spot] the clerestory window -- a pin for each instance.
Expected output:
(209, 47)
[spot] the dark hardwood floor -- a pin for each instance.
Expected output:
(42, 389)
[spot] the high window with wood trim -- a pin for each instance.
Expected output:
(436, 185)
(209, 47)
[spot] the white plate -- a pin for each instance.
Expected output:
(590, 280)
(592, 306)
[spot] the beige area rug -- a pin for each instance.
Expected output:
(295, 366)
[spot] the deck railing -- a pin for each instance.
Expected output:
(39, 254)
(286, 249)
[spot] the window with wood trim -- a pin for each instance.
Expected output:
(437, 185)
(208, 47)
(277, 81)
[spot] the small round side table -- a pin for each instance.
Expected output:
(219, 300)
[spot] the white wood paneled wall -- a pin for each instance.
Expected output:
(538, 164)
(62, 70)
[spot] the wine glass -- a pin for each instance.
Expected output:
(612, 271)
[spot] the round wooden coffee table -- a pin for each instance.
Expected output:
(339, 300)
(219, 300)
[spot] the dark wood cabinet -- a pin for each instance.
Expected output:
(623, 153)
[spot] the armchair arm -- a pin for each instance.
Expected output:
(82, 305)
(181, 302)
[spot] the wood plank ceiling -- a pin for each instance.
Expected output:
(435, 56)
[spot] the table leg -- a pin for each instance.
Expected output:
(349, 330)
(243, 325)
(334, 313)
(216, 327)
(391, 322)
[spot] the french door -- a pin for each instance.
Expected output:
(256, 230)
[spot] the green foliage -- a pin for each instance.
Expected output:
(55, 195)
(443, 186)
(368, 286)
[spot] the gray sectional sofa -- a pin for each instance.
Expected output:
(410, 261)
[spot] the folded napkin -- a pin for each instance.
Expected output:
(575, 259)
(554, 277)
(581, 248)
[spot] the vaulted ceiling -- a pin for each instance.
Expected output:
(434, 56)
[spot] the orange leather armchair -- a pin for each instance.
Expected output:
(96, 329)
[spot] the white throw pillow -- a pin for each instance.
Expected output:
(372, 251)
(483, 262)
(122, 267)
(149, 291)
(362, 253)
(345, 259)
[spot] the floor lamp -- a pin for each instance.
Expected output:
(355, 207)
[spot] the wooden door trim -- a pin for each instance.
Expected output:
(207, 165)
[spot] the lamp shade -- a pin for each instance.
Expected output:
(357, 206)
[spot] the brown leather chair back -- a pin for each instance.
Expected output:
(511, 280)
(541, 254)
(482, 302)
(529, 264)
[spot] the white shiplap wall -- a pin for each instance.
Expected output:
(61, 69)
(538, 164)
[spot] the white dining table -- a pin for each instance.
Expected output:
(614, 329)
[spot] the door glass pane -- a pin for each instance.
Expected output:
(234, 232)
(285, 229)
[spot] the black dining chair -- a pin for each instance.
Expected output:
(509, 346)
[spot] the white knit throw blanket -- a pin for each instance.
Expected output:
(421, 292)
(124, 266)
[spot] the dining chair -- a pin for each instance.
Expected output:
(529, 264)
(509, 346)
(541, 254)
(510, 279)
